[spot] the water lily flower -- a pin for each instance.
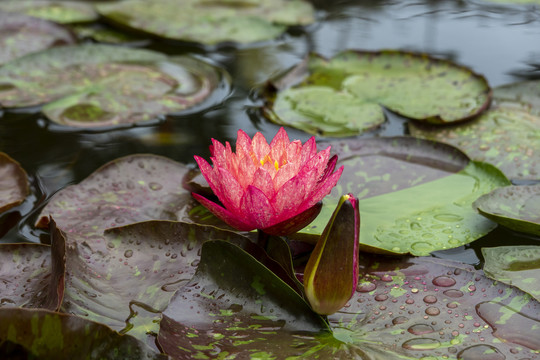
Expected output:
(331, 274)
(276, 187)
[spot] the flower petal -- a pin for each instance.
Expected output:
(263, 181)
(259, 146)
(323, 189)
(230, 191)
(223, 213)
(208, 172)
(256, 208)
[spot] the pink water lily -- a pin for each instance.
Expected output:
(274, 187)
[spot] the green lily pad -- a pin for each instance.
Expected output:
(32, 275)
(208, 21)
(515, 265)
(526, 93)
(41, 334)
(506, 136)
(13, 183)
(105, 85)
(415, 196)
(404, 308)
(342, 96)
(23, 35)
(63, 12)
(516, 207)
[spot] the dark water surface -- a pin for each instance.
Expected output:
(499, 41)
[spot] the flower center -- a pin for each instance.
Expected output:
(267, 158)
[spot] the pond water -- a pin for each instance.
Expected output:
(498, 41)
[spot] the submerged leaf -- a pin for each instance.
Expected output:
(102, 85)
(416, 195)
(210, 22)
(41, 334)
(13, 183)
(342, 96)
(515, 265)
(516, 207)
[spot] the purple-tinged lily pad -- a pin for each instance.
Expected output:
(21, 35)
(124, 191)
(63, 12)
(415, 196)
(404, 308)
(104, 85)
(210, 22)
(41, 334)
(342, 96)
(13, 183)
(515, 265)
(505, 136)
(516, 207)
(32, 275)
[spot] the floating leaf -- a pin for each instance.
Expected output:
(515, 265)
(63, 12)
(126, 190)
(507, 137)
(342, 96)
(41, 334)
(404, 308)
(516, 207)
(104, 85)
(415, 195)
(13, 183)
(526, 93)
(210, 22)
(23, 34)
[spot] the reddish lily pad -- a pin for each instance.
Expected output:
(23, 34)
(62, 12)
(516, 207)
(105, 85)
(126, 190)
(13, 183)
(505, 136)
(408, 308)
(415, 196)
(41, 334)
(342, 96)
(210, 22)
(515, 265)
(32, 275)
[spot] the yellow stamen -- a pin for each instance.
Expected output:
(276, 165)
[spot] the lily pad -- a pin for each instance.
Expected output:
(32, 275)
(13, 183)
(63, 12)
(23, 35)
(415, 196)
(208, 21)
(516, 207)
(124, 191)
(526, 93)
(505, 136)
(342, 96)
(41, 334)
(407, 308)
(104, 85)
(515, 265)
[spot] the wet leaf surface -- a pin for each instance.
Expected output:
(13, 183)
(506, 136)
(210, 22)
(126, 190)
(21, 35)
(526, 93)
(408, 308)
(516, 207)
(342, 96)
(62, 12)
(41, 334)
(414, 196)
(104, 85)
(515, 265)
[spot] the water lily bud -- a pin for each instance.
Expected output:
(331, 274)
(271, 187)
